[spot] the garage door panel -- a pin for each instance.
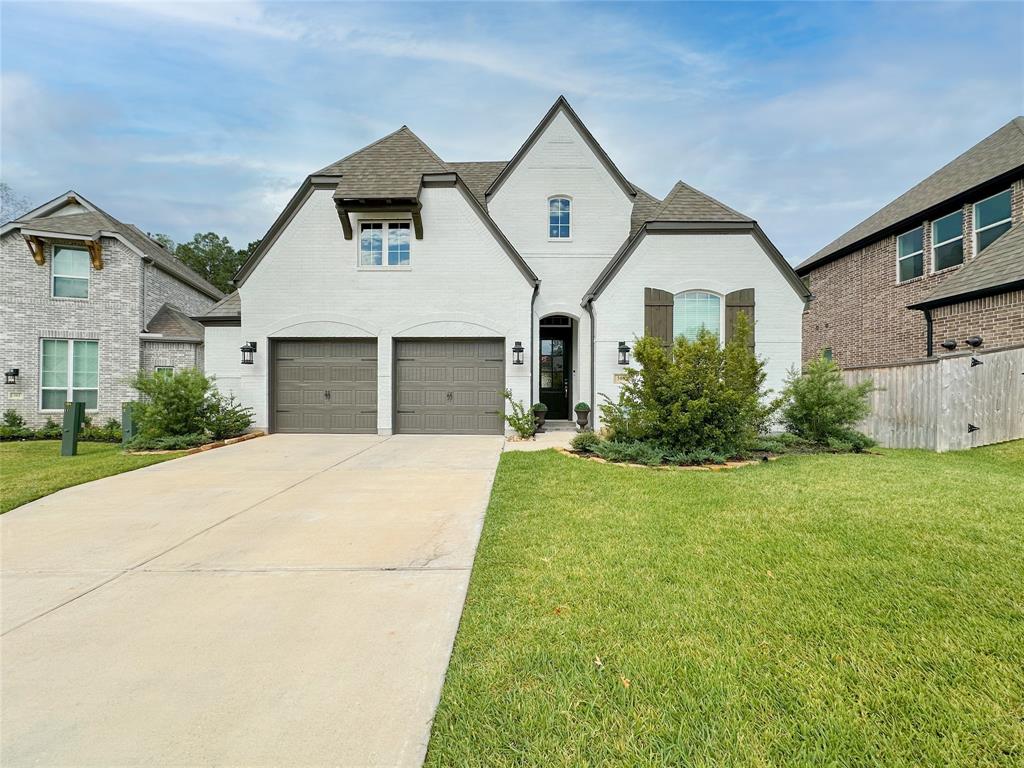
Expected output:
(449, 386)
(325, 385)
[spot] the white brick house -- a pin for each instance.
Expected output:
(87, 301)
(395, 291)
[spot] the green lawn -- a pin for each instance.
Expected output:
(855, 610)
(33, 469)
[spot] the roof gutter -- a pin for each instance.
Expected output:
(958, 298)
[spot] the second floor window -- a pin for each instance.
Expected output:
(559, 214)
(948, 241)
(693, 311)
(991, 219)
(70, 273)
(910, 254)
(384, 244)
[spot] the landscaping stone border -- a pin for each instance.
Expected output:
(692, 467)
(209, 446)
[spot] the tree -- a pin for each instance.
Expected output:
(164, 240)
(212, 257)
(245, 253)
(12, 205)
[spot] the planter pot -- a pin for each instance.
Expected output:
(582, 417)
(538, 418)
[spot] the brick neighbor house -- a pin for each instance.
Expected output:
(88, 301)
(941, 264)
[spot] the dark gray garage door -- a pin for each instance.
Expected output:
(325, 385)
(449, 386)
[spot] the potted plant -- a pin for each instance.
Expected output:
(539, 412)
(582, 415)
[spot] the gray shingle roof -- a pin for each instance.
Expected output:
(391, 167)
(684, 203)
(171, 322)
(90, 224)
(228, 307)
(998, 266)
(1000, 153)
(479, 176)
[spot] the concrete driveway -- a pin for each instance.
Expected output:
(287, 601)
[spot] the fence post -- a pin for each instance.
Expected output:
(74, 417)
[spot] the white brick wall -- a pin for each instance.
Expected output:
(461, 283)
(222, 357)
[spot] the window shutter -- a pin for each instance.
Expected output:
(658, 315)
(736, 302)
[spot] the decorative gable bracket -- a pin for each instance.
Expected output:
(37, 246)
(383, 205)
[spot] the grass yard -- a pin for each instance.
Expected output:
(33, 469)
(854, 610)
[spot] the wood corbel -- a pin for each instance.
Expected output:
(417, 221)
(95, 254)
(35, 245)
(346, 222)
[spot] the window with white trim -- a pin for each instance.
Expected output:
(384, 243)
(693, 311)
(991, 219)
(70, 373)
(70, 271)
(910, 254)
(164, 370)
(559, 215)
(948, 241)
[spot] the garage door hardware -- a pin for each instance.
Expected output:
(327, 394)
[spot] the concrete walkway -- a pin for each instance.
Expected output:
(290, 600)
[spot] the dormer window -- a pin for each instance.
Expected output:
(559, 215)
(70, 273)
(384, 244)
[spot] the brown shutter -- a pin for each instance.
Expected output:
(658, 315)
(736, 302)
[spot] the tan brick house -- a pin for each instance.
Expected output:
(941, 264)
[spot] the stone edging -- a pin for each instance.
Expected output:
(663, 467)
(207, 446)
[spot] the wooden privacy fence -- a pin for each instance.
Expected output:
(948, 403)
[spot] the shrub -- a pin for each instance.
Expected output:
(818, 406)
(634, 451)
(521, 420)
(539, 408)
(226, 417)
(172, 404)
(16, 433)
(697, 396)
(167, 442)
(13, 419)
(586, 442)
(51, 430)
(581, 406)
(108, 433)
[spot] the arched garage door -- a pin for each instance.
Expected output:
(449, 386)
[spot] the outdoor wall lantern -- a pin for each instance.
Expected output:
(949, 344)
(974, 341)
(11, 376)
(517, 353)
(623, 353)
(247, 352)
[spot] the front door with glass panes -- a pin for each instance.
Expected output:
(556, 371)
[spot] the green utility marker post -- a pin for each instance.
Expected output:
(74, 417)
(128, 427)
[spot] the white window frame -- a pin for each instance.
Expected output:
(721, 311)
(936, 246)
(572, 218)
(54, 275)
(924, 267)
(386, 224)
(69, 389)
(974, 217)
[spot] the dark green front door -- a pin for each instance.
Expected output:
(556, 371)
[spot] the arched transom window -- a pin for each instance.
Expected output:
(693, 310)
(559, 215)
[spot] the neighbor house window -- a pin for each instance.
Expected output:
(559, 214)
(166, 370)
(910, 254)
(948, 241)
(70, 273)
(694, 310)
(384, 244)
(991, 219)
(70, 373)
(827, 353)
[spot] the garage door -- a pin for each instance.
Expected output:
(449, 386)
(325, 385)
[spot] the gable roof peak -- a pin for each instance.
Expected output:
(686, 203)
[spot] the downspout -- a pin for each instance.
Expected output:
(533, 302)
(588, 305)
(929, 332)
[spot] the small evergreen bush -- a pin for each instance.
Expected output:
(168, 442)
(226, 417)
(521, 420)
(586, 442)
(13, 419)
(632, 451)
(819, 407)
(172, 403)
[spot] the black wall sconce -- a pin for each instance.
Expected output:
(949, 344)
(248, 350)
(623, 353)
(517, 353)
(974, 341)
(11, 376)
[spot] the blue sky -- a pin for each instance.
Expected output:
(186, 117)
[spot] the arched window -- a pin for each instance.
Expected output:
(693, 310)
(559, 215)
